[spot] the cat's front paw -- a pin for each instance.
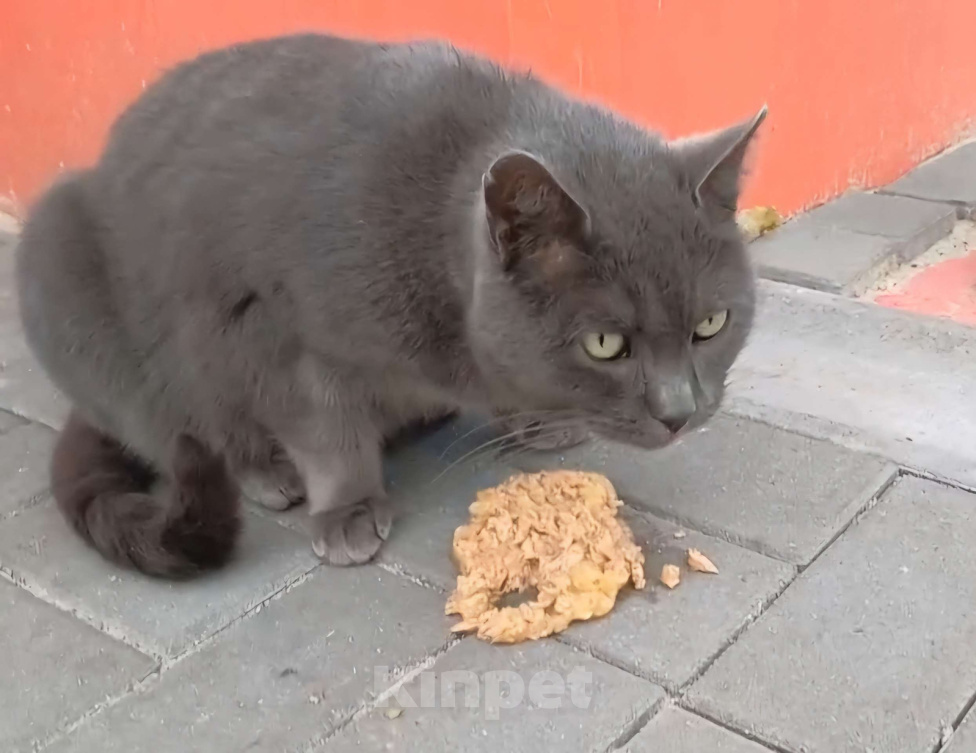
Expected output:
(538, 435)
(352, 535)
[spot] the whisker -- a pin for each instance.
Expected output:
(546, 430)
(493, 422)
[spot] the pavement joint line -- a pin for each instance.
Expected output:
(395, 568)
(412, 670)
(943, 744)
(750, 736)
(750, 619)
(119, 633)
(935, 478)
(163, 664)
(962, 207)
(28, 504)
(632, 729)
(866, 501)
(110, 629)
(133, 688)
(28, 419)
(15, 426)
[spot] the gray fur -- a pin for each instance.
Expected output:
(292, 248)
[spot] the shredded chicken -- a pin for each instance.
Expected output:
(556, 532)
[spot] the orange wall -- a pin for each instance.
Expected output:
(859, 90)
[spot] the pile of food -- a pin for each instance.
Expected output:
(556, 532)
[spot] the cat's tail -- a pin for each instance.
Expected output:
(190, 524)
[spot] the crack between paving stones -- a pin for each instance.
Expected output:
(868, 504)
(633, 728)
(395, 568)
(163, 664)
(751, 736)
(31, 502)
(110, 629)
(410, 671)
(943, 744)
(962, 207)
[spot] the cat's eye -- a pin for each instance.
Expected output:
(604, 346)
(708, 328)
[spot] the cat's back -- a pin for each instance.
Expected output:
(300, 97)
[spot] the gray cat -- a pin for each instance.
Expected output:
(293, 248)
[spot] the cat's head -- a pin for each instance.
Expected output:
(614, 290)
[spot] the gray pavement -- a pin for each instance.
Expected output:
(833, 494)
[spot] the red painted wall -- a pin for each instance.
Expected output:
(859, 90)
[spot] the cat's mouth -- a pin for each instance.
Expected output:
(647, 433)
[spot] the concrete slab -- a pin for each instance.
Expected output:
(9, 421)
(574, 714)
(280, 679)
(161, 618)
(867, 377)
(671, 636)
(25, 454)
(915, 224)
(26, 391)
(823, 258)
(673, 730)
(752, 484)
(950, 177)
(54, 669)
(869, 649)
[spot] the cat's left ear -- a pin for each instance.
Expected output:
(528, 211)
(714, 164)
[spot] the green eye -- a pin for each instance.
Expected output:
(604, 346)
(708, 328)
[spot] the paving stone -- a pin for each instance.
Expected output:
(914, 223)
(283, 677)
(870, 649)
(26, 390)
(779, 493)
(489, 714)
(55, 668)
(673, 730)
(949, 177)
(25, 453)
(9, 421)
(862, 375)
(823, 258)
(669, 636)
(160, 617)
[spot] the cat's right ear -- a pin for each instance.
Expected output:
(714, 162)
(527, 209)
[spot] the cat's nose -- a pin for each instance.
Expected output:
(674, 425)
(677, 403)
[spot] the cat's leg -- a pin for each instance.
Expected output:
(274, 482)
(350, 514)
(339, 457)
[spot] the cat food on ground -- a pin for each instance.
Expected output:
(700, 563)
(556, 532)
(670, 575)
(758, 221)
